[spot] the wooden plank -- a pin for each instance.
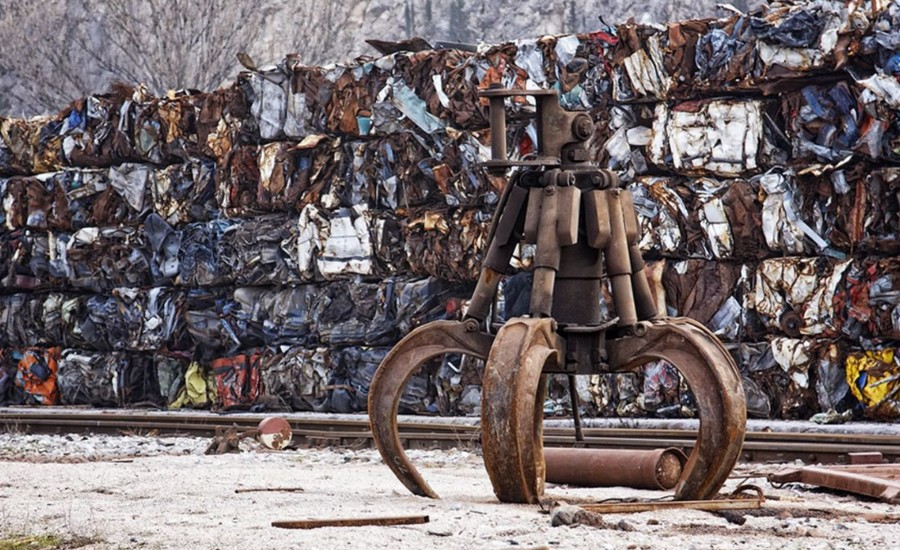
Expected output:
(350, 522)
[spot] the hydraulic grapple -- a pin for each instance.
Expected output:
(584, 228)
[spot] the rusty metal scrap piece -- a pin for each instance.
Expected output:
(350, 522)
(512, 407)
(269, 490)
(228, 440)
(274, 432)
(562, 513)
(716, 383)
(658, 469)
(633, 507)
(866, 457)
(424, 343)
(881, 481)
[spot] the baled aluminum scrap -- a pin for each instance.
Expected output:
(802, 288)
(659, 210)
(724, 137)
(87, 379)
(644, 67)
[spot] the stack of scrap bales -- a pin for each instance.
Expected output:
(264, 245)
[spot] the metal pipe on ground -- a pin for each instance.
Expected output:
(659, 469)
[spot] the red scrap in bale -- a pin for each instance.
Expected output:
(237, 380)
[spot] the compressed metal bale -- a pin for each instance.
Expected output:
(456, 377)
(185, 192)
(25, 259)
(872, 376)
(710, 292)
(447, 244)
(100, 259)
(170, 373)
(296, 377)
(36, 375)
(199, 255)
(89, 378)
(282, 316)
(724, 137)
(237, 378)
(796, 296)
(792, 378)
(10, 393)
(211, 318)
(855, 208)
(260, 250)
(21, 321)
(18, 150)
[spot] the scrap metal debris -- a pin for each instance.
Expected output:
(880, 481)
(562, 513)
(264, 244)
(350, 522)
(658, 469)
(274, 432)
(269, 489)
(228, 441)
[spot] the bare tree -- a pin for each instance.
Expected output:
(76, 47)
(41, 69)
(57, 50)
(325, 31)
(173, 43)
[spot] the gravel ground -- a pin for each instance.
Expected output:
(147, 492)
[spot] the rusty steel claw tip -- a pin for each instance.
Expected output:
(512, 407)
(716, 383)
(424, 343)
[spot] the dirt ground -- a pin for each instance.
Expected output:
(148, 492)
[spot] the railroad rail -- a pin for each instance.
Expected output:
(827, 446)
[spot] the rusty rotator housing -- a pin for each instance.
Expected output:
(583, 227)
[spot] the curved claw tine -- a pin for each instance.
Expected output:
(722, 427)
(512, 409)
(716, 383)
(420, 345)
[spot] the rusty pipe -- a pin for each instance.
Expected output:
(659, 469)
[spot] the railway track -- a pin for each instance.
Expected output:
(328, 430)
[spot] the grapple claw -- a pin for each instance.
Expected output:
(715, 382)
(582, 222)
(512, 407)
(420, 345)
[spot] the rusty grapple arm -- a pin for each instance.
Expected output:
(585, 230)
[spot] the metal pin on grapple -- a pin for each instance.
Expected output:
(584, 227)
